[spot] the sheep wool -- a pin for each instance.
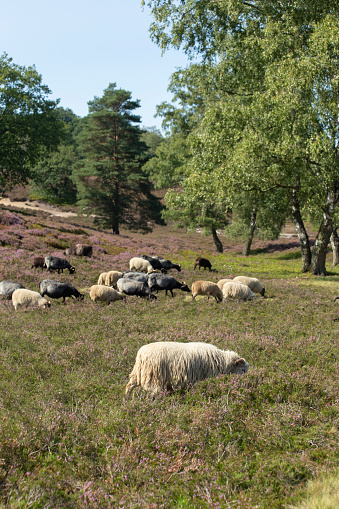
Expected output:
(112, 277)
(168, 365)
(206, 288)
(102, 278)
(236, 290)
(103, 293)
(28, 298)
(252, 282)
(140, 265)
(222, 282)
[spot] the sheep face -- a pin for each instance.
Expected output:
(184, 287)
(262, 293)
(71, 270)
(240, 367)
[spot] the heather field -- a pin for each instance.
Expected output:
(67, 437)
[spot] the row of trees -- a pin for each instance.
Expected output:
(256, 116)
(96, 161)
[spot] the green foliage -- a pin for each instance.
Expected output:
(52, 176)
(28, 121)
(168, 167)
(153, 138)
(268, 78)
(110, 180)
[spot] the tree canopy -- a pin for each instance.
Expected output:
(269, 80)
(29, 123)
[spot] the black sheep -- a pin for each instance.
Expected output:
(58, 290)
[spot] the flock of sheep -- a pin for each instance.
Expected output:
(160, 366)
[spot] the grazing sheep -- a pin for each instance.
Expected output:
(132, 287)
(102, 278)
(156, 264)
(236, 290)
(58, 290)
(38, 261)
(140, 265)
(252, 282)
(112, 277)
(222, 282)
(59, 264)
(79, 250)
(141, 277)
(167, 264)
(206, 288)
(168, 283)
(202, 262)
(25, 298)
(8, 287)
(168, 365)
(101, 293)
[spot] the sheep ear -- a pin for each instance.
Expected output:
(240, 362)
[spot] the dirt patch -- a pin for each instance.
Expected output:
(35, 205)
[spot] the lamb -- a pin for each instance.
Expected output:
(207, 288)
(236, 290)
(59, 264)
(112, 277)
(56, 290)
(222, 282)
(202, 262)
(252, 282)
(132, 287)
(103, 293)
(102, 278)
(168, 365)
(38, 261)
(140, 265)
(24, 298)
(8, 287)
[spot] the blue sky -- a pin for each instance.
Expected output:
(79, 47)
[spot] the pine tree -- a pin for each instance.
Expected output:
(110, 179)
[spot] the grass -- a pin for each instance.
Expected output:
(68, 438)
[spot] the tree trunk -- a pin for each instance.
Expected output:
(217, 242)
(319, 251)
(253, 225)
(115, 215)
(318, 265)
(335, 247)
(306, 255)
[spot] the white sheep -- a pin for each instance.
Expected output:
(206, 288)
(236, 290)
(25, 298)
(168, 365)
(252, 282)
(112, 277)
(140, 265)
(102, 278)
(103, 293)
(222, 282)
